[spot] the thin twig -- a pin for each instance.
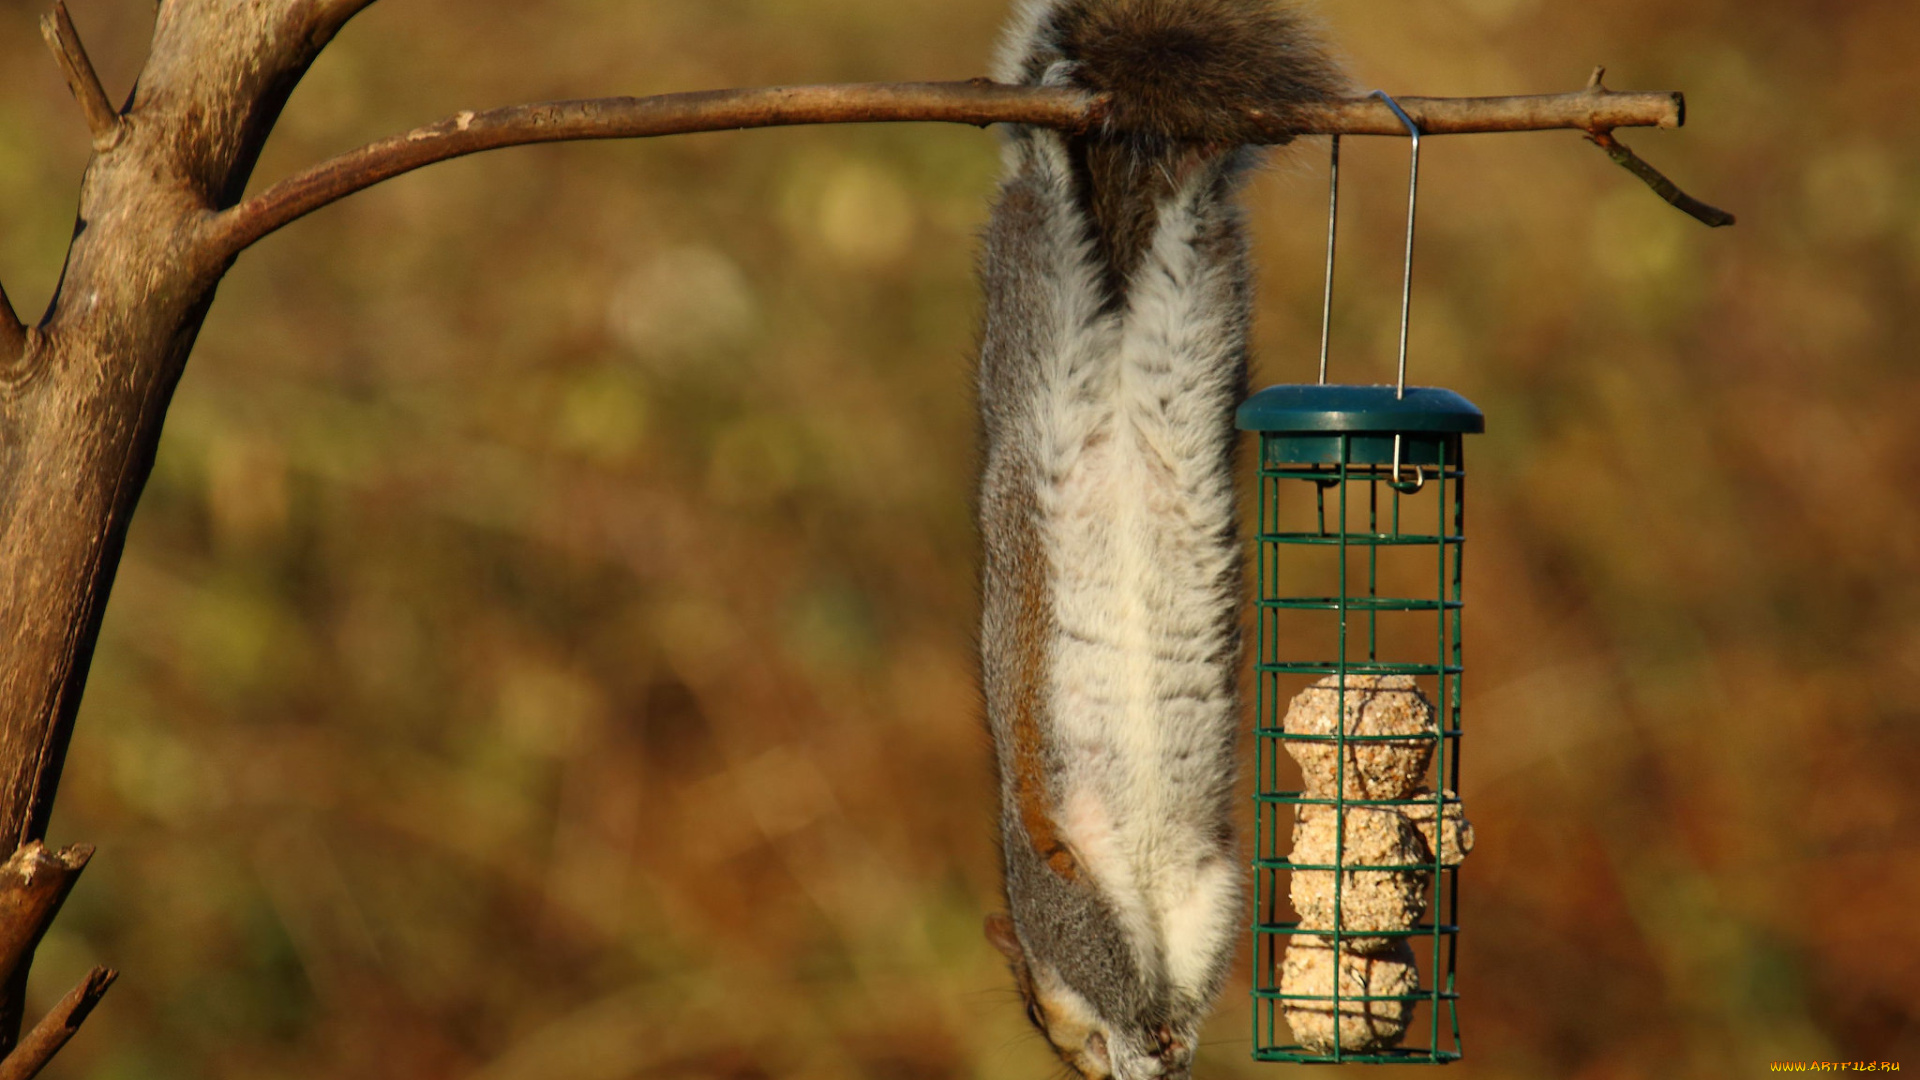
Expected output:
(102, 118)
(13, 333)
(978, 102)
(1711, 216)
(58, 1026)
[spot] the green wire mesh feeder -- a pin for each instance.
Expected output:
(1361, 510)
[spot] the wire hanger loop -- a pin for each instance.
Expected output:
(1413, 206)
(1333, 237)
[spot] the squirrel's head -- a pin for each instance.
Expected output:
(1093, 1031)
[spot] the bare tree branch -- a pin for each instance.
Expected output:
(978, 102)
(1711, 216)
(58, 1026)
(102, 118)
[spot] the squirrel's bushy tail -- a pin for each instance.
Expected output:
(1184, 75)
(1179, 69)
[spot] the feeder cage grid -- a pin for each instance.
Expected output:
(1340, 446)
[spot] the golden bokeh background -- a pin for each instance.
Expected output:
(545, 649)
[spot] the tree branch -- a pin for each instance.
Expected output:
(58, 1026)
(1585, 110)
(978, 102)
(1711, 216)
(102, 118)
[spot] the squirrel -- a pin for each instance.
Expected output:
(1113, 353)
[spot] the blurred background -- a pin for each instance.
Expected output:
(545, 649)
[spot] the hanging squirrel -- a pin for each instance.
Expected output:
(1112, 357)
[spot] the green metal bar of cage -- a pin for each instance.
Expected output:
(1357, 540)
(1295, 798)
(1338, 668)
(1358, 603)
(1417, 930)
(1264, 1010)
(1340, 745)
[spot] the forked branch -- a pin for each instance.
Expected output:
(1601, 135)
(102, 118)
(978, 102)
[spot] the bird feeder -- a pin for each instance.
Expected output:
(1362, 496)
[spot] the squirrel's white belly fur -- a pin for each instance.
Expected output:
(1112, 355)
(1138, 532)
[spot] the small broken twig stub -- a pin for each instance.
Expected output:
(1711, 216)
(33, 885)
(102, 118)
(57, 1027)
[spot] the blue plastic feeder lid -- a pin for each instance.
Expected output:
(1305, 423)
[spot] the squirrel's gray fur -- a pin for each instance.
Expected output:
(1112, 356)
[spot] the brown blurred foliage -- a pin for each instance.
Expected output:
(545, 650)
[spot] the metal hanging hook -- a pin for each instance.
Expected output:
(1333, 235)
(1406, 487)
(1406, 286)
